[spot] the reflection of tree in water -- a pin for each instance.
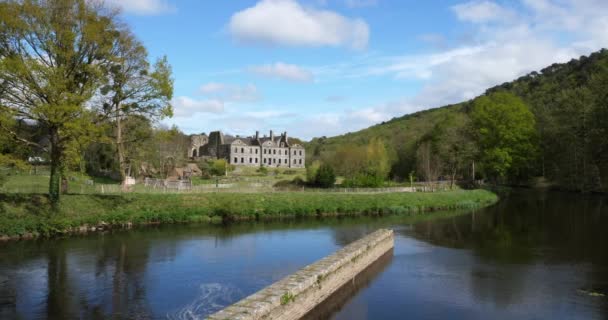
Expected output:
(127, 257)
(120, 262)
(344, 236)
(562, 226)
(525, 229)
(8, 297)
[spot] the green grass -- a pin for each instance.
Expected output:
(31, 215)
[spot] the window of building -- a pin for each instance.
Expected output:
(242, 150)
(300, 152)
(242, 160)
(274, 160)
(236, 160)
(250, 160)
(256, 160)
(274, 151)
(279, 161)
(294, 152)
(300, 161)
(256, 151)
(294, 161)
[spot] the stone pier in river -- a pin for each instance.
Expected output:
(294, 296)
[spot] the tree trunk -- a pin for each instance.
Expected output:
(55, 179)
(473, 170)
(121, 152)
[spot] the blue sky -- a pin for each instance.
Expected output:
(327, 67)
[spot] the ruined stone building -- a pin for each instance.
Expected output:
(255, 151)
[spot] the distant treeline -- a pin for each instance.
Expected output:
(550, 124)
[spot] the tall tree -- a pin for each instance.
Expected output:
(52, 57)
(135, 89)
(454, 145)
(505, 134)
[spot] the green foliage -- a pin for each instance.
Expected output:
(311, 171)
(325, 177)
(362, 166)
(570, 148)
(219, 167)
(505, 133)
(287, 297)
(263, 170)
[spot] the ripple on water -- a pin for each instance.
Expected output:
(212, 297)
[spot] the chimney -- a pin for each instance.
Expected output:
(271, 135)
(257, 135)
(285, 136)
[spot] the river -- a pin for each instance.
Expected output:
(534, 255)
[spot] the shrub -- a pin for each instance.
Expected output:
(325, 177)
(263, 170)
(365, 180)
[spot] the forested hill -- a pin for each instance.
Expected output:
(570, 106)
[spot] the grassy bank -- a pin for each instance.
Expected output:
(31, 215)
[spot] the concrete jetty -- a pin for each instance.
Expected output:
(294, 296)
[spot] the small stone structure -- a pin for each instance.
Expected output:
(254, 151)
(294, 296)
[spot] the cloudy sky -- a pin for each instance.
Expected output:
(327, 67)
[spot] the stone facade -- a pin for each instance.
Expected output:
(254, 151)
(294, 296)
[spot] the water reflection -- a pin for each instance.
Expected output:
(347, 291)
(531, 256)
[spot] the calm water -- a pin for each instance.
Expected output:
(531, 256)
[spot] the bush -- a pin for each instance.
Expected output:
(263, 170)
(311, 171)
(363, 181)
(219, 167)
(296, 183)
(325, 178)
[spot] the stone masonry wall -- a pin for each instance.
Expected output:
(292, 297)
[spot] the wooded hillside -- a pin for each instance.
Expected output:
(569, 147)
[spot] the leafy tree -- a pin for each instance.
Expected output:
(325, 177)
(52, 58)
(363, 166)
(428, 161)
(134, 89)
(454, 145)
(7, 161)
(311, 171)
(505, 133)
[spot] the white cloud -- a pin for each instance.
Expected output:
(186, 107)
(212, 87)
(143, 7)
(286, 22)
(482, 11)
(280, 70)
(538, 34)
(230, 93)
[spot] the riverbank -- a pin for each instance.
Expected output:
(30, 216)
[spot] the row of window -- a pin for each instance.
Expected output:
(267, 160)
(236, 150)
(274, 151)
